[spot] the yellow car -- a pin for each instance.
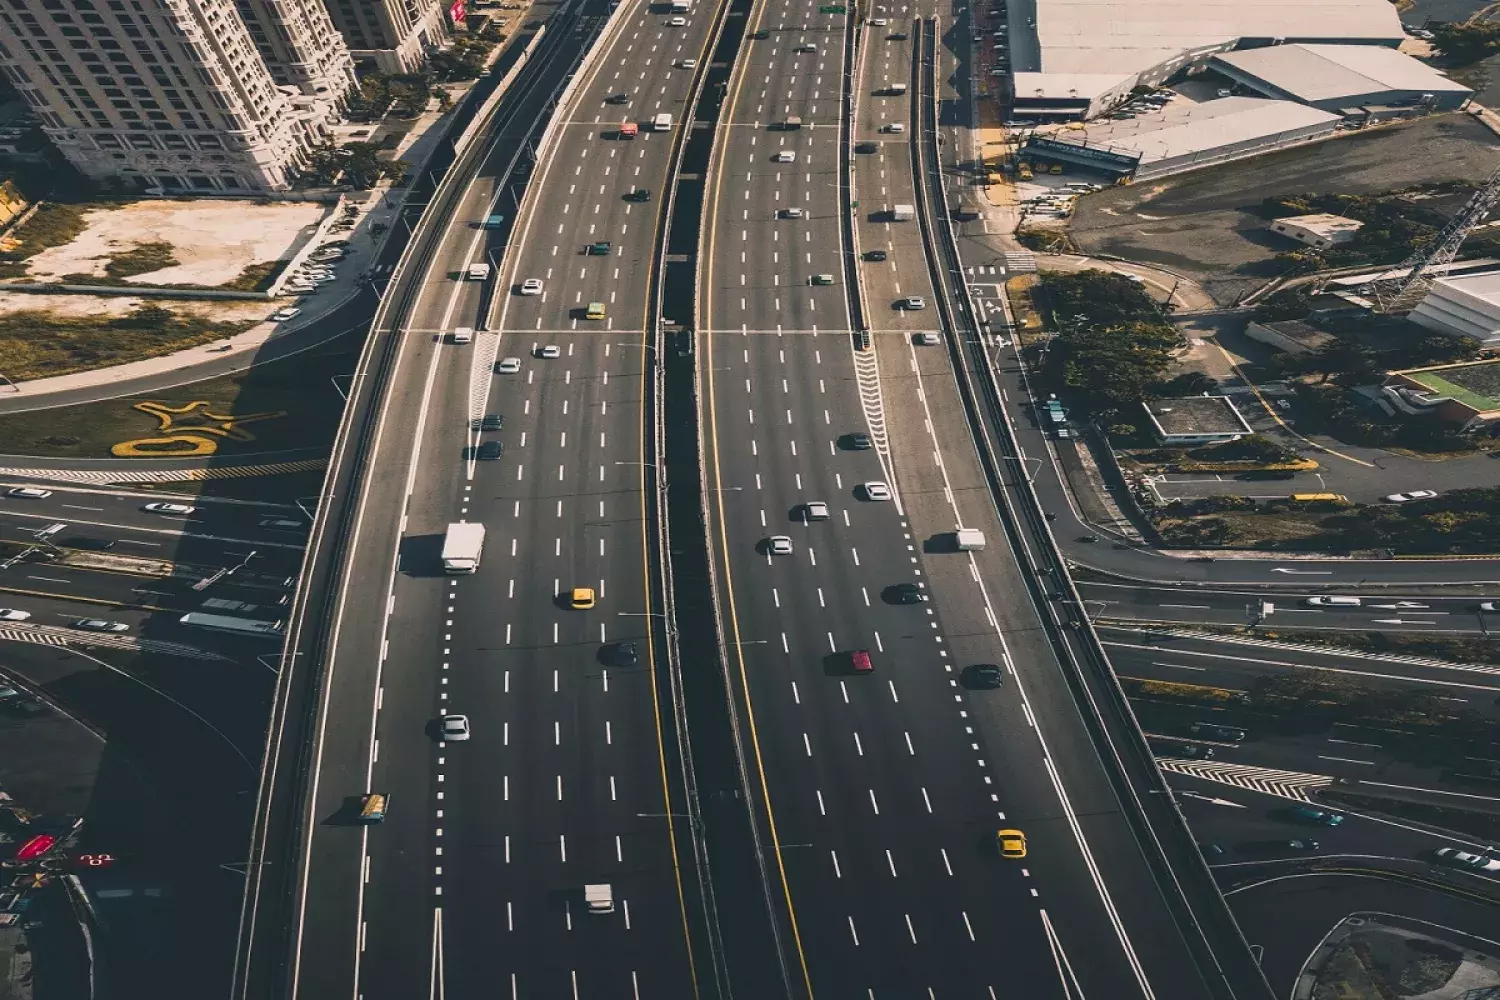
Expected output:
(1012, 843)
(582, 598)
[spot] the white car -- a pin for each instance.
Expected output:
(1413, 495)
(1490, 606)
(549, 352)
(28, 493)
(815, 510)
(687, 63)
(785, 156)
(877, 491)
(879, 22)
(12, 615)
(914, 302)
(531, 286)
(1464, 859)
(509, 366)
(179, 509)
(282, 315)
(455, 728)
(1333, 602)
(100, 625)
(677, 22)
(779, 545)
(791, 213)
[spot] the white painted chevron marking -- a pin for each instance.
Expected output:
(1284, 784)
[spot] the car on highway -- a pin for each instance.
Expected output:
(1453, 857)
(491, 422)
(100, 625)
(177, 509)
(489, 451)
(1407, 497)
(912, 302)
(600, 249)
(822, 279)
(866, 147)
(984, 675)
(1215, 731)
(581, 598)
(876, 490)
(791, 213)
(508, 366)
(925, 339)
(639, 194)
(860, 662)
(897, 36)
(893, 127)
(12, 615)
(620, 98)
(785, 156)
(1303, 844)
(875, 255)
(815, 510)
(1333, 602)
(595, 310)
(453, 728)
(687, 63)
(1191, 751)
(1011, 844)
(879, 22)
(860, 442)
(282, 315)
(531, 286)
(1315, 816)
(550, 351)
(807, 47)
(628, 130)
(1491, 606)
(677, 22)
(906, 593)
(761, 35)
(779, 545)
(624, 654)
(28, 493)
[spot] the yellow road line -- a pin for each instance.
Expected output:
(84, 600)
(734, 623)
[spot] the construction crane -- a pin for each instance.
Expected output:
(1412, 278)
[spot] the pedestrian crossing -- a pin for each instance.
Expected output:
(111, 477)
(48, 635)
(1270, 781)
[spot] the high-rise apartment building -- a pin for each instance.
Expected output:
(395, 35)
(178, 95)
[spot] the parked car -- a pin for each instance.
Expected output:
(1408, 497)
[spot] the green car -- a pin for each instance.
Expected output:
(822, 279)
(599, 249)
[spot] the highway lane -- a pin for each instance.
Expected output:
(1377, 612)
(873, 781)
(563, 782)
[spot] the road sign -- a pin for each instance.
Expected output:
(833, 8)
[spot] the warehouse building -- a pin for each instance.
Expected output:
(1341, 77)
(1078, 58)
(1184, 138)
(1464, 305)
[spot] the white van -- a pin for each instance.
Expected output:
(479, 272)
(968, 539)
(662, 123)
(463, 335)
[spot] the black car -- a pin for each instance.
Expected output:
(866, 147)
(490, 450)
(624, 654)
(860, 442)
(906, 593)
(492, 422)
(639, 194)
(984, 675)
(761, 34)
(875, 255)
(617, 99)
(1190, 750)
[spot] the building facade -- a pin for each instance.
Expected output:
(300, 46)
(395, 35)
(174, 95)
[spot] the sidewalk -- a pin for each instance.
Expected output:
(379, 207)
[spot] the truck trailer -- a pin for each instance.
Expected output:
(902, 213)
(462, 546)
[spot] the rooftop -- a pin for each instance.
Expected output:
(1300, 331)
(1474, 383)
(1196, 416)
(1322, 223)
(1181, 131)
(1315, 73)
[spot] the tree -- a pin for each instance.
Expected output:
(1112, 367)
(1096, 296)
(1342, 356)
(1282, 304)
(1466, 43)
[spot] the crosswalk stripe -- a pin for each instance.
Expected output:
(1270, 781)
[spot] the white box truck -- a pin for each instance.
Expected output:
(600, 898)
(462, 546)
(479, 272)
(968, 539)
(902, 213)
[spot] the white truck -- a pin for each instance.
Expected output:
(968, 539)
(463, 544)
(599, 897)
(902, 213)
(479, 272)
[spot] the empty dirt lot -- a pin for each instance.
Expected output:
(1207, 224)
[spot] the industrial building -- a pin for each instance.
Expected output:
(1196, 420)
(1464, 305)
(1319, 230)
(1341, 78)
(179, 96)
(1183, 138)
(1078, 58)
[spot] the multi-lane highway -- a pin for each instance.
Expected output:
(881, 793)
(473, 884)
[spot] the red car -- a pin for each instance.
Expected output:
(859, 662)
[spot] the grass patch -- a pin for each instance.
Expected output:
(257, 277)
(143, 258)
(294, 399)
(38, 344)
(54, 224)
(1019, 291)
(1242, 530)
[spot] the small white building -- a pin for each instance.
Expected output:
(1465, 305)
(1319, 230)
(1192, 420)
